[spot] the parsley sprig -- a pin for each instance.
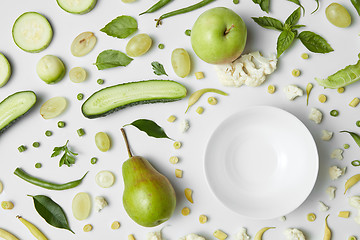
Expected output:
(158, 68)
(68, 158)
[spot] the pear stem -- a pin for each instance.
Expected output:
(126, 142)
(228, 30)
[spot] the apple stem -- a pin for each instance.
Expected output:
(126, 142)
(228, 30)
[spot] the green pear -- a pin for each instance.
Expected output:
(149, 198)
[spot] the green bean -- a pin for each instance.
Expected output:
(308, 90)
(161, 46)
(358, 123)
(183, 10)
(45, 184)
(36, 144)
(351, 182)
(80, 132)
(156, 6)
(196, 95)
(22, 148)
(61, 124)
(327, 234)
(334, 113)
(355, 163)
(354, 136)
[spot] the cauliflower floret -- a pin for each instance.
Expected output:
(323, 207)
(331, 192)
(294, 234)
(354, 201)
(184, 125)
(100, 203)
(336, 172)
(315, 115)
(337, 154)
(326, 135)
(242, 235)
(250, 69)
(293, 91)
(154, 235)
(282, 219)
(192, 236)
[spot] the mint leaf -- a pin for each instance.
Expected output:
(158, 68)
(284, 41)
(314, 42)
(112, 58)
(121, 27)
(294, 17)
(269, 23)
(264, 4)
(297, 2)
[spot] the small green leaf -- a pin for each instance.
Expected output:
(317, 6)
(355, 136)
(121, 27)
(52, 213)
(297, 27)
(314, 42)
(269, 23)
(284, 41)
(294, 17)
(297, 2)
(67, 158)
(112, 58)
(356, 4)
(158, 68)
(264, 4)
(149, 127)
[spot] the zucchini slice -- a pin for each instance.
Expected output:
(15, 106)
(32, 32)
(5, 70)
(77, 6)
(111, 99)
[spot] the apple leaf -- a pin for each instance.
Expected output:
(269, 23)
(284, 41)
(150, 128)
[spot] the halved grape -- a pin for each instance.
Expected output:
(138, 45)
(83, 44)
(77, 74)
(53, 107)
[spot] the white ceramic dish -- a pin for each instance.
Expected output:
(261, 162)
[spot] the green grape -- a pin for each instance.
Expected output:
(338, 15)
(180, 61)
(102, 141)
(138, 45)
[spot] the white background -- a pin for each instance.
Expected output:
(32, 127)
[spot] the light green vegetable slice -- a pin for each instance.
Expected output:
(5, 70)
(77, 74)
(53, 107)
(32, 32)
(342, 78)
(105, 179)
(81, 206)
(50, 69)
(77, 6)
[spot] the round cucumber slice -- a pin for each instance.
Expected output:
(32, 32)
(5, 70)
(105, 179)
(50, 69)
(77, 6)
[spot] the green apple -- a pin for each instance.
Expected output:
(50, 69)
(218, 36)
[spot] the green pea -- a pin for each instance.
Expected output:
(36, 144)
(100, 81)
(334, 113)
(161, 46)
(80, 96)
(61, 124)
(188, 32)
(236, 1)
(358, 123)
(94, 160)
(48, 133)
(38, 165)
(355, 163)
(346, 146)
(22, 148)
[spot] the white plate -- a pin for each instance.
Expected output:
(261, 162)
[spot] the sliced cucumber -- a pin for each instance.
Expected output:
(32, 32)
(5, 70)
(77, 6)
(117, 97)
(15, 106)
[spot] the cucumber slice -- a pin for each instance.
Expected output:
(117, 97)
(105, 179)
(5, 70)
(15, 106)
(32, 32)
(77, 6)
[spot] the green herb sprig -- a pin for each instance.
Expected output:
(68, 158)
(265, 4)
(158, 68)
(289, 32)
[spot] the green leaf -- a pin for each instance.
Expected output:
(158, 68)
(51, 212)
(121, 27)
(317, 6)
(297, 27)
(297, 2)
(294, 17)
(264, 4)
(269, 23)
(112, 58)
(356, 4)
(284, 41)
(149, 127)
(314, 42)
(355, 136)
(67, 158)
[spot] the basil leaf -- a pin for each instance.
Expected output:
(297, 27)
(121, 27)
(297, 2)
(264, 4)
(356, 4)
(112, 58)
(284, 41)
(149, 127)
(52, 213)
(355, 136)
(314, 42)
(158, 68)
(269, 23)
(317, 6)
(294, 17)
